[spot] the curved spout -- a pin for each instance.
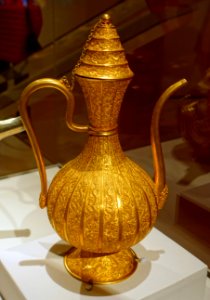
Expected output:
(159, 166)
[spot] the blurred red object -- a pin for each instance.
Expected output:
(19, 25)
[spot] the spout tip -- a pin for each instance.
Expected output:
(183, 81)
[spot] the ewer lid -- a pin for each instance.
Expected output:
(103, 56)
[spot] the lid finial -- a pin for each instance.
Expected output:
(103, 56)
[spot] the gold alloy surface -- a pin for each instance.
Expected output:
(101, 202)
(103, 56)
(105, 268)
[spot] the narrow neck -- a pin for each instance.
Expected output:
(102, 152)
(103, 99)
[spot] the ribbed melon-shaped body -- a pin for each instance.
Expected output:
(102, 201)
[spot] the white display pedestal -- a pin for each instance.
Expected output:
(21, 219)
(35, 271)
(32, 269)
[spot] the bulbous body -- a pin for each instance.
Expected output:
(102, 201)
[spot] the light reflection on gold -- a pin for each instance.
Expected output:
(118, 202)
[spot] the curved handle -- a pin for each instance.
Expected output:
(24, 99)
(159, 166)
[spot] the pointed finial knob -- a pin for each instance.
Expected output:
(106, 17)
(105, 20)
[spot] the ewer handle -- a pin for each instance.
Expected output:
(23, 103)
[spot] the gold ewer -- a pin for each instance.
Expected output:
(101, 202)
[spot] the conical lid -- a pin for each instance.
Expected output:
(103, 56)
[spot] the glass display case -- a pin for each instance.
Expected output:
(164, 42)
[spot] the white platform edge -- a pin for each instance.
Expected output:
(173, 274)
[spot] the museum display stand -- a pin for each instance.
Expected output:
(32, 255)
(35, 270)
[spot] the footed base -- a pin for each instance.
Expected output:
(100, 268)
